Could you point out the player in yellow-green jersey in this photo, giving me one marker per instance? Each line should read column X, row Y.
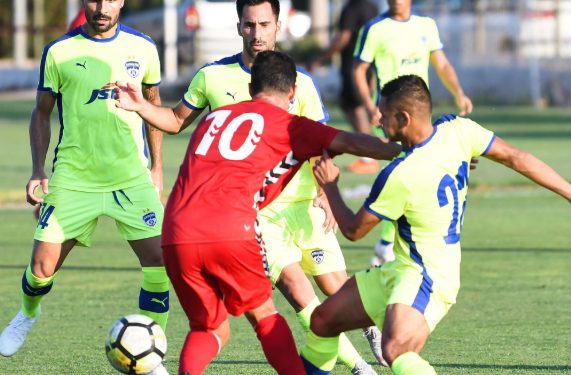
column 424, row 192
column 100, row 163
column 396, row 43
column 292, row 226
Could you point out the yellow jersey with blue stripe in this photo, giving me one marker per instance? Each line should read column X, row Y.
column 424, row 192
column 397, row 48
column 100, row 148
column 226, row 81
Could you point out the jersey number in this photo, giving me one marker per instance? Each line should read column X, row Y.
column 453, row 185
column 45, row 213
column 218, row 119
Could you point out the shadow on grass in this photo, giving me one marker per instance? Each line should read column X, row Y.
column 504, row 367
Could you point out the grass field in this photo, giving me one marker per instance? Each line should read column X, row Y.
column 514, row 309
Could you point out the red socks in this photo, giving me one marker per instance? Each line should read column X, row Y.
column 198, row 351
column 278, row 345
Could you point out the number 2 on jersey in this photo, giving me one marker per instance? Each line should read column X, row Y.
column 218, row 120
column 453, row 185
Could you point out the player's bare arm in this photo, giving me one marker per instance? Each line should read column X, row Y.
column 169, row 120
column 353, row 226
column 365, row 145
column 39, row 142
column 528, row 165
column 362, row 84
column 449, row 79
column 155, row 140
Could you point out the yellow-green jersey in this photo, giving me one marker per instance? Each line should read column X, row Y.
column 424, row 192
column 226, row 81
column 101, row 147
column 397, row 48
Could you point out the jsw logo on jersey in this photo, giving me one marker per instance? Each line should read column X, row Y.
column 103, row 94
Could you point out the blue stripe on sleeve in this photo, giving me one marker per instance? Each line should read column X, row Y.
column 489, row 145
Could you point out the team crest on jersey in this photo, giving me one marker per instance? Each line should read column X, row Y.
column 132, row 68
column 318, row 256
column 150, row 219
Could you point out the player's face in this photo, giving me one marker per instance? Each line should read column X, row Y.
column 389, row 122
column 102, row 15
column 258, row 29
column 399, row 6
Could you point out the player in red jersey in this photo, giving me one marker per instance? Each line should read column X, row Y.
column 238, row 159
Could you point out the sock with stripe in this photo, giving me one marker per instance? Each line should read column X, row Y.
column 154, row 295
column 33, row 290
column 411, row 364
column 319, row 353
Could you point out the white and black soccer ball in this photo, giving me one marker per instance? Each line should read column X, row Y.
column 136, row 344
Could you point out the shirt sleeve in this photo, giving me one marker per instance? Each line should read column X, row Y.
column 478, row 139
column 310, row 102
column 49, row 74
column 195, row 96
column 309, row 138
column 434, row 42
column 365, row 47
column 153, row 74
column 388, row 197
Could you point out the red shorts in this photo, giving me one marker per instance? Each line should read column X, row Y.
column 214, row 279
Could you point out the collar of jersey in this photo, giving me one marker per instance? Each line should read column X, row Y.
column 105, row 40
column 408, row 150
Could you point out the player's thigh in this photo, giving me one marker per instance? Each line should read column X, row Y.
column 68, row 215
column 241, row 272
column 321, row 253
column 341, row 312
column 137, row 210
column 197, row 291
column 278, row 241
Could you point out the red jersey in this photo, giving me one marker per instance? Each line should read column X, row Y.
column 238, row 159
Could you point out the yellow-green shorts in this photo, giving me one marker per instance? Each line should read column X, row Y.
column 293, row 233
column 68, row 214
column 387, row 285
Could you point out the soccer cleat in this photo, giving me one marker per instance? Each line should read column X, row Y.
column 361, row 166
column 373, row 335
column 15, row 333
column 383, row 253
column 160, row 370
column 362, row 368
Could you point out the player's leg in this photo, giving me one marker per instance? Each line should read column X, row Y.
column 341, row 312
column 384, row 247
column 276, row 338
column 405, row 332
column 330, row 283
column 138, row 213
column 201, row 300
column 66, row 218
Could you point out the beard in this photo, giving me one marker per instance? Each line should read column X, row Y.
column 93, row 22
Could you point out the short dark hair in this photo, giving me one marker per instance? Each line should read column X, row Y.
column 406, row 93
column 240, row 4
column 273, row 71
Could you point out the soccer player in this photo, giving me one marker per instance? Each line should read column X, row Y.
column 397, row 43
column 238, row 159
column 100, row 163
column 296, row 241
column 424, row 192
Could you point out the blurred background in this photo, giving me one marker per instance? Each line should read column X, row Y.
column 505, row 51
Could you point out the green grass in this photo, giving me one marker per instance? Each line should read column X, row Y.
column 513, row 313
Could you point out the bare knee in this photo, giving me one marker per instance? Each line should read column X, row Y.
column 320, row 323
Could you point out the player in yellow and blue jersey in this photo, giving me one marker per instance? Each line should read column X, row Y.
column 292, row 226
column 101, row 160
column 424, row 192
column 399, row 42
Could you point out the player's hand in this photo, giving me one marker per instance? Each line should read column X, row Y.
column 127, row 95
column 329, row 224
column 35, row 182
column 464, row 104
column 473, row 163
column 375, row 116
column 325, row 171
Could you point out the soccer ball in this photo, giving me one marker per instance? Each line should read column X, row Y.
column 136, row 344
